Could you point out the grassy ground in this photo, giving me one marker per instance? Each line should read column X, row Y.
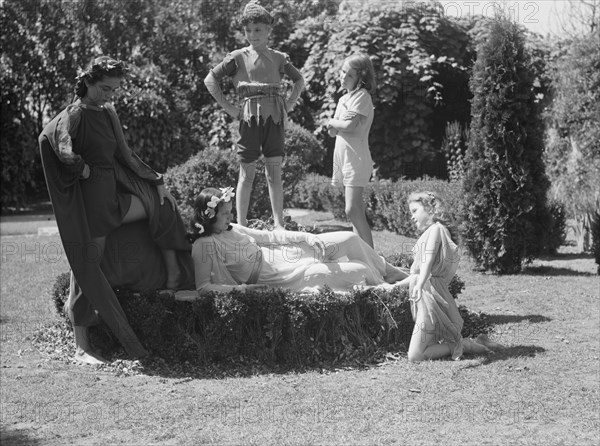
column 543, row 390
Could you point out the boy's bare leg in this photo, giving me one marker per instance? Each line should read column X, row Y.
column 275, row 183
column 244, row 190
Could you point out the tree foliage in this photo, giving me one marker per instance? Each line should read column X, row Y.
column 421, row 63
column 573, row 138
column 44, row 44
column 505, row 185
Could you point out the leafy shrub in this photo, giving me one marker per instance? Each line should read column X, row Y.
column 60, row 292
column 454, row 146
column 387, row 200
column 572, row 154
column 505, row 186
column 209, row 168
column 276, row 326
column 152, row 113
column 310, row 191
column 596, row 238
column 557, row 230
column 21, row 165
column 219, row 168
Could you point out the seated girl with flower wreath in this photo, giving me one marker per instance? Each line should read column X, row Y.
column 229, row 256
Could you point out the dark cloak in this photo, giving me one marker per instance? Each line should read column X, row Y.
column 132, row 257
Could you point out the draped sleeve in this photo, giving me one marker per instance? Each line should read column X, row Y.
column 206, row 258
column 60, row 133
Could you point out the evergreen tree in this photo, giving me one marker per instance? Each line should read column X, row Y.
column 505, row 213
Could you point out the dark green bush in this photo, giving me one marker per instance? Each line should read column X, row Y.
column 505, row 186
column 557, row 231
column 387, row 201
column 153, row 112
column 310, row 191
column 454, row 147
column 209, row 168
column 219, row 168
column 596, row 238
column 275, row 326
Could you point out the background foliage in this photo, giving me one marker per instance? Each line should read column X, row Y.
column 421, row 60
column 572, row 154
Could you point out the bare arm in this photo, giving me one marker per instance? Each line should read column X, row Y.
column 299, row 84
column 214, row 88
column 428, row 256
column 275, row 237
column 347, row 123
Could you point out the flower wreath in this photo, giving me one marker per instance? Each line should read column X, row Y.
column 103, row 65
column 211, row 206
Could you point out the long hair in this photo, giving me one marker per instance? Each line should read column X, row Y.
column 436, row 208
column 100, row 68
column 202, row 224
column 366, row 73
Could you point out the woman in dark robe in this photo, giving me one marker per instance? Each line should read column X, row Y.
column 118, row 223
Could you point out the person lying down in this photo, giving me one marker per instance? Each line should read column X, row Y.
column 228, row 256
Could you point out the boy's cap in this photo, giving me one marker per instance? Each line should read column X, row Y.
column 254, row 12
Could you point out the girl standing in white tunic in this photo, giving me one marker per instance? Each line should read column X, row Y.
column 352, row 163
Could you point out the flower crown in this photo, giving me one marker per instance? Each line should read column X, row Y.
column 211, row 206
column 103, row 65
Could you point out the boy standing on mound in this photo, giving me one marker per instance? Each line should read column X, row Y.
column 257, row 71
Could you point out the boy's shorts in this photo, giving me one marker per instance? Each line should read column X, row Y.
column 253, row 136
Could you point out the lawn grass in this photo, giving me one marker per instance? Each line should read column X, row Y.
column 543, row 390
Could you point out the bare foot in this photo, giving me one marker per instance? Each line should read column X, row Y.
column 89, row 358
column 394, row 274
column 473, row 347
column 484, row 340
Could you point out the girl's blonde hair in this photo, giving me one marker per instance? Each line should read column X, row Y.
column 436, row 208
column 366, row 73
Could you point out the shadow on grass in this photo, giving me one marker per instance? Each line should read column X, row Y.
column 17, row 437
column 568, row 256
column 156, row 366
column 554, row 271
column 498, row 319
column 516, row 351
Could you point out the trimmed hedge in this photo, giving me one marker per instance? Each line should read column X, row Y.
column 387, row 201
column 273, row 327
